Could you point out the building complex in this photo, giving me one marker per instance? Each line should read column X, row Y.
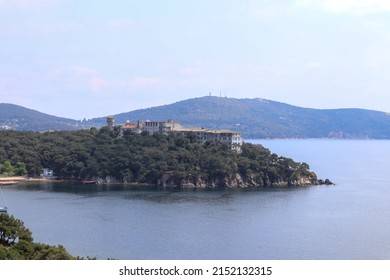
column 231, row 138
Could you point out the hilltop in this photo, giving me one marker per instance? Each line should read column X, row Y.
column 260, row 118
column 254, row 118
column 20, row 118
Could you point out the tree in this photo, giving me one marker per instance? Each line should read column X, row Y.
column 12, row 230
column 7, row 169
column 16, row 243
column 20, row 169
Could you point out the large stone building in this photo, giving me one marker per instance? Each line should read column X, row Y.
column 152, row 127
column 160, row 127
column 231, row 138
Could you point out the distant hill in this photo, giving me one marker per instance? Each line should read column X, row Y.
column 260, row 118
column 254, row 118
column 20, row 118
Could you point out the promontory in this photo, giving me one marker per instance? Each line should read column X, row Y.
column 172, row 160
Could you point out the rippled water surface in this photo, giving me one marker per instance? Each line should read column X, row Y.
column 348, row 221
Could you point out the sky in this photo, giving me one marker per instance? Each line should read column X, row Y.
column 92, row 58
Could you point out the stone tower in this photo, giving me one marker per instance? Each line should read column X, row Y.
column 110, row 122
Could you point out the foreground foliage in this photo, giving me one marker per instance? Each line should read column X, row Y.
column 16, row 243
column 142, row 158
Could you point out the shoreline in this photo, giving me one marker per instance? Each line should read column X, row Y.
column 7, row 181
column 4, row 181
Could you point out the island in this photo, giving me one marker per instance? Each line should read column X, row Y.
column 166, row 160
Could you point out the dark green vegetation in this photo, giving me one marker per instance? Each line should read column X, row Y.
column 150, row 159
column 16, row 243
column 255, row 118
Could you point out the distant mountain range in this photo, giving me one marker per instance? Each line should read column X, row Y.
column 254, row 118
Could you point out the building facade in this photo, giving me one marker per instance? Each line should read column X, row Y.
column 228, row 137
column 231, row 138
column 160, row 127
column 152, row 127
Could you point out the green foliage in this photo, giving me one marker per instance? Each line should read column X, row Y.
column 7, row 169
column 12, row 229
column 140, row 158
column 16, row 243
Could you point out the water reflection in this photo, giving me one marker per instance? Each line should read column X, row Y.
column 166, row 197
column 147, row 193
column 78, row 188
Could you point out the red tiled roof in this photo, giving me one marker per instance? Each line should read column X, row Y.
column 129, row 126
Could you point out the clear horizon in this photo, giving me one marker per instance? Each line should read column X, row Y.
column 98, row 58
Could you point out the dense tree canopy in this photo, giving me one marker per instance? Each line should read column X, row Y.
column 141, row 158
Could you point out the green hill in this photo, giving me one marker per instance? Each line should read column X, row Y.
column 254, row 118
column 259, row 118
column 20, row 118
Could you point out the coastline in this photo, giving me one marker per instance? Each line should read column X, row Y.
column 184, row 184
column 5, row 181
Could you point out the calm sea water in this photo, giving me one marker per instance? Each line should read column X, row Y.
column 348, row 221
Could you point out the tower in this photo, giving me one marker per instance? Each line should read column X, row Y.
column 110, row 122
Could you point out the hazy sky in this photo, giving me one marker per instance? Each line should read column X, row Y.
column 90, row 58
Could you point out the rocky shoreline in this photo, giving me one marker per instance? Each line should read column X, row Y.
column 239, row 181
column 234, row 181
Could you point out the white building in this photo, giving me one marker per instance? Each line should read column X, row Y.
column 231, row 138
column 47, row 173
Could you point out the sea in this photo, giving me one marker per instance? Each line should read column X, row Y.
column 346, row 221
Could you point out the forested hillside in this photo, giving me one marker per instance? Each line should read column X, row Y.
column 260, row 118
column 20, row 118
column 254, row 118
column 149, row 159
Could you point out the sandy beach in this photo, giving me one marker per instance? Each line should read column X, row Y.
column 16, row 179
column 11, row 180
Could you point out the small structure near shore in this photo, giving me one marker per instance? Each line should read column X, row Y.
column 47, row 173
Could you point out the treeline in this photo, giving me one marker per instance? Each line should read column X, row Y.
column 142, row 158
